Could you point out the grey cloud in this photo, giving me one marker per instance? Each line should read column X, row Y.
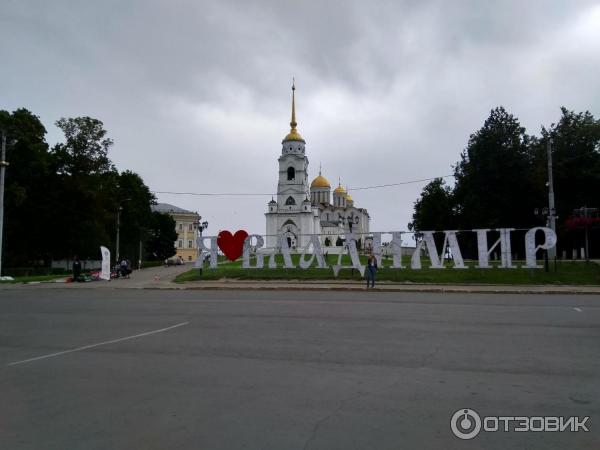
column 196, row 94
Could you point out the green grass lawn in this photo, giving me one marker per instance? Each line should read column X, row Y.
column 568, row 272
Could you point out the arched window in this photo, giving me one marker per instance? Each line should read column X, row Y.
column 291, row 173
column 290, row 200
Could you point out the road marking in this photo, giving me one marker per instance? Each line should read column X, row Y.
column 85, row 347
column 578, row 309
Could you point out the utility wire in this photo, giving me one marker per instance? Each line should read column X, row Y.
column 236, row 194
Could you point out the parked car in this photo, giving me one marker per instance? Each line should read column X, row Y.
column 174, row 261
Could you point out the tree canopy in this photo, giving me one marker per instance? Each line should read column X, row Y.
column 64, row 201
column 501, row 178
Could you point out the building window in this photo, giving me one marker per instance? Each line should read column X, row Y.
column 180, row 227
column 190, row 227
column 190, row 244
column 290, row 201
column 180, row 243
column 291, row 173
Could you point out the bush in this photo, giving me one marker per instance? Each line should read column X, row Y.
column 34, row 271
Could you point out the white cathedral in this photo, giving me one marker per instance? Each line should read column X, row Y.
column 301, row 211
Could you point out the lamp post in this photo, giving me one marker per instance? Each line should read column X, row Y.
column 549, row 214
column 551, row 207
column 586, row 214
column 117, row 246
column 3, row 165
column 118, row 234
column 200, row 226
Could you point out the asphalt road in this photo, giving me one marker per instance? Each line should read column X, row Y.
column 103, row 369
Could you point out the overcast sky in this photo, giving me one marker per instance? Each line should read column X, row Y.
column 196, row 94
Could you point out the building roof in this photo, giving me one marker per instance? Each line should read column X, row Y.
column 339, row 190
column 168, row 208
column 320, row 182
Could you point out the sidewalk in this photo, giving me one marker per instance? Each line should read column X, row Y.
column 346, row 285
column 161, row 278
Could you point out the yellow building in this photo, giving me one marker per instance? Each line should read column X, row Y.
column 186, row 223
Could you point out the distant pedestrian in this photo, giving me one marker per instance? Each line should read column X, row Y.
column 371, row 270
column 124, row 268
column 76, row 268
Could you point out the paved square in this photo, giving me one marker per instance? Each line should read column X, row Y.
column 150, row 369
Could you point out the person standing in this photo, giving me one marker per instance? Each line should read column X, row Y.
column 76, row 268
column 371, row 270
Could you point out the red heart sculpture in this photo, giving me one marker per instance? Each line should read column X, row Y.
column 232, row 245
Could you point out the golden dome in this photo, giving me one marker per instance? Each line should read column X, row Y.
column 340, row 190
column 293, row 135
column 348, row 196
column 320, row 182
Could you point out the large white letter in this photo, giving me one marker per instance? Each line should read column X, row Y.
column 377, row 249
column 437, row 261
column 284, row 248
column 482, row 248
column 451, row 241
column 317, row 252
column 213, row 251
column 505, row 248
column 350, row 244
column 530, row 247
column 259, row 256
column 396, row 245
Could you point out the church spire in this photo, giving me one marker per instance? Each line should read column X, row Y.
column 293, row 135
column 293, row 123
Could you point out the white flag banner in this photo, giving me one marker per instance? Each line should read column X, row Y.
column 105, row 272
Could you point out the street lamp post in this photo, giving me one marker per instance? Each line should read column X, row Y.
column 586, row 213
column 551, row 207
column 3, row 165
column 549, row 215
column 118, row 234
column 118, row 243
column 200, row 226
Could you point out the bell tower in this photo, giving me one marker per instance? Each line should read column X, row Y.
column 292, row 188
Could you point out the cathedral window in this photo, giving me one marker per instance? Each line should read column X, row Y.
column 291, row 172
column 290, row 201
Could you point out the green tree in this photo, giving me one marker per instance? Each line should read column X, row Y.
column 493, row 178
column 576, row 160
column 434, row 210
column 161, row 237
column 85, row 198
column 85, row 150
column 28, row 181
column 135, row 199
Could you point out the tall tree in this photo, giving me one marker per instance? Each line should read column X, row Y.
column 86, row 213
column 576, row 160
column 133, row 198
column 85, row 150
column 435, row 209
column 28, row 181
column 493, row 178
column 162, row 236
